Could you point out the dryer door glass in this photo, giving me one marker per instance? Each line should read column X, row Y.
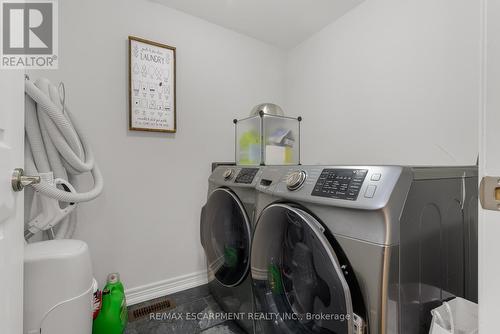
column 225, row 236
column 298, row 281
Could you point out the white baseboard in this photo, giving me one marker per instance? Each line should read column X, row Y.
column 163, row 288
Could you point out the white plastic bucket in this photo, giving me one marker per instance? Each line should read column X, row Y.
column 457, row 316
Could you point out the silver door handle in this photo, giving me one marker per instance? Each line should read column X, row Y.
column 489, row 193
column 19, row 180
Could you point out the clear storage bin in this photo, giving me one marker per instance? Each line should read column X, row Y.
column 267, row 140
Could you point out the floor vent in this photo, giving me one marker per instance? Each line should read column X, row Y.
column 159, row 305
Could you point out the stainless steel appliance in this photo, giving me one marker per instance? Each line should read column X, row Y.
column 226, row 232
column 362, row 249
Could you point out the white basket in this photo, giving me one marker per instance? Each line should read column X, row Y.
column 458, row 316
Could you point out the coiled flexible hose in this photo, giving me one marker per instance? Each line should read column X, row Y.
column 55, row 143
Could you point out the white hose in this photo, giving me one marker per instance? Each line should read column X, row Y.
column 55, row 143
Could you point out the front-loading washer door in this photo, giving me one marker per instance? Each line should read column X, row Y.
column 298, row 282
column 225, row 236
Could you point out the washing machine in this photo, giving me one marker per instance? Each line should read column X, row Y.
column 226, row 229
column 362, row 249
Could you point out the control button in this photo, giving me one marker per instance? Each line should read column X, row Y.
column 370, row 191
column 376, row 177
column 228, row 174
column 296, row 180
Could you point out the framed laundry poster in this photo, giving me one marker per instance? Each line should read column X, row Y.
column 151, row 86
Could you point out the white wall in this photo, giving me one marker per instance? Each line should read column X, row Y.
column 392, row 82
column 146, row 224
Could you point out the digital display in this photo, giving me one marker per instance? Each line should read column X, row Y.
column 340, row 183
column 246, row 175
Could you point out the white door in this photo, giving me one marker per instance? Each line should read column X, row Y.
column 489, row 164
column 11, row 203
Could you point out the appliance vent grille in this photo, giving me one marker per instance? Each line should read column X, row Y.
column 160, row 305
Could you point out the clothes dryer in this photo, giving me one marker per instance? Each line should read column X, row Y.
column 226, row 232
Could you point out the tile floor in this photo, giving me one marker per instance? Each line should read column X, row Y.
column 194, row 300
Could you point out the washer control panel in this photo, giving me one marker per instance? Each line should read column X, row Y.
column 246, row 175
column 340, row 183
column 349, row 186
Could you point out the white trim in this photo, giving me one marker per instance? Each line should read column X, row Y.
column 163, row 288
column 484, row 324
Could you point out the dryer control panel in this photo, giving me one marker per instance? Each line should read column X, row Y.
column 246, row 175
column 340, row 183
column 235, row 176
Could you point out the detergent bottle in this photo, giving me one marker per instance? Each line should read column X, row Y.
column 113, row 316
column 274, row 278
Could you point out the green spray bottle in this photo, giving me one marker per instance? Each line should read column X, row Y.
column 113, row 317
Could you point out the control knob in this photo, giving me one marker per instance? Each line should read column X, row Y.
column 228, row 174
column 295, row 180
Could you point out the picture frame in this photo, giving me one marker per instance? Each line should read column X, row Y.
column 152, row 86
